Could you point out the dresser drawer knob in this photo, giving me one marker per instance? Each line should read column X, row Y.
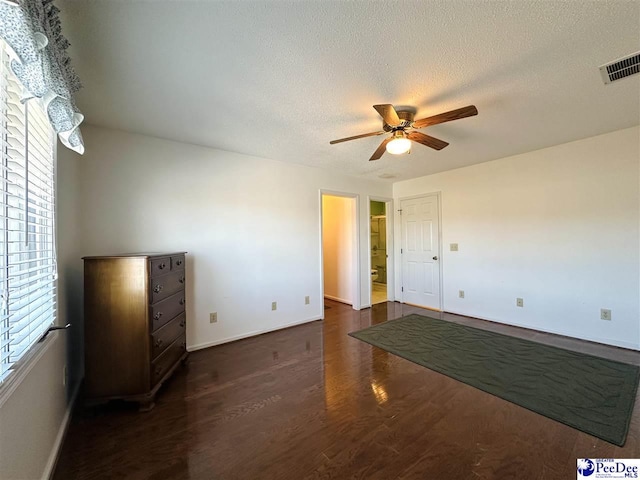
column 157, row 316
column 179, row 262
column 157, row 288
column 181, row 280
column 182, row 301
column 183, row 345
column 162, row 266
column 158, row 370
column 159, row 342
column 183, row 323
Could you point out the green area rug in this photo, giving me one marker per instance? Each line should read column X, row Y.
column 589, row 393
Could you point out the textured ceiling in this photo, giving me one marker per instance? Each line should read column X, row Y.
column 281, row 79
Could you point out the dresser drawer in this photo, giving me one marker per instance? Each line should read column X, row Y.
column 166, row 285
column 161, row 365
column 160, row 266
column 162, row 338
column 177, row 262
column 167, row 310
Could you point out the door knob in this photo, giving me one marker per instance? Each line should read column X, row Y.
column 435, row 258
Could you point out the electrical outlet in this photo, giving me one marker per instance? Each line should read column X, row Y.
column 519, row 302
column 213, row 317
column 453, row 247
column 605, row 314
column 306, row 300
column 460, row 293
column 274, row 305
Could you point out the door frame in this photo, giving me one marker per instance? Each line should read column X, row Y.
column 356, row 246
column 390, row 246
column 438, row 195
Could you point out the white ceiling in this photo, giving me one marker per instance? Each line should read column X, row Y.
column 281, row 79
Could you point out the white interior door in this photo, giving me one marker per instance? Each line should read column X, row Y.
column 421, row 251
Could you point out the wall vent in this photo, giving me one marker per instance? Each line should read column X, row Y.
column 621, row 68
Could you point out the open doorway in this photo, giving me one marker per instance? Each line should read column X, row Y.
column 380, row 249
column 340, row 253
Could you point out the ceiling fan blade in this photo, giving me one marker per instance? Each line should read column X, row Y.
column 372, row 134
column 389, row 114
column 457, row 114
column 427, row 140
column 381, row 149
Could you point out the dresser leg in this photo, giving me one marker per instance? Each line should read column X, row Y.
column 147, row 405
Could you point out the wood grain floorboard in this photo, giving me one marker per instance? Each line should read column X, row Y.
column 310, row 402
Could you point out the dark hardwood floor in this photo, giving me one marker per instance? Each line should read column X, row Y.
column 310, row 402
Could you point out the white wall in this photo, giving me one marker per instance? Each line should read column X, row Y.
column 558, row 227
column 34, row 416
column 251, row 226
column 338, row 218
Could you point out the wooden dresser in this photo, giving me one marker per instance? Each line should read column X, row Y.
column 134, row 328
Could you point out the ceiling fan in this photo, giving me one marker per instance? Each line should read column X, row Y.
column 402, row 126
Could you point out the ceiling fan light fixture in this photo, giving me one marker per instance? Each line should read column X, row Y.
column 397, row 122
column 400, row 143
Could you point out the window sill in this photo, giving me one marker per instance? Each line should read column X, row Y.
column 23, row 368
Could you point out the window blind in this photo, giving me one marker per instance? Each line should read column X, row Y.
column 27, row 234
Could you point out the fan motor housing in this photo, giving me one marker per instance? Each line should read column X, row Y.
column 406, row 116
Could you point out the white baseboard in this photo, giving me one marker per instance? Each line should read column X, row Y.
column 200, row 346
column 338, row 299
column 604, row 341
column 50, row 466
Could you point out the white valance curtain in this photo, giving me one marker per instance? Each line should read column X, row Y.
column 32, row 30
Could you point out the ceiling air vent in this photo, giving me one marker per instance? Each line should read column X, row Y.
column 624, row 67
